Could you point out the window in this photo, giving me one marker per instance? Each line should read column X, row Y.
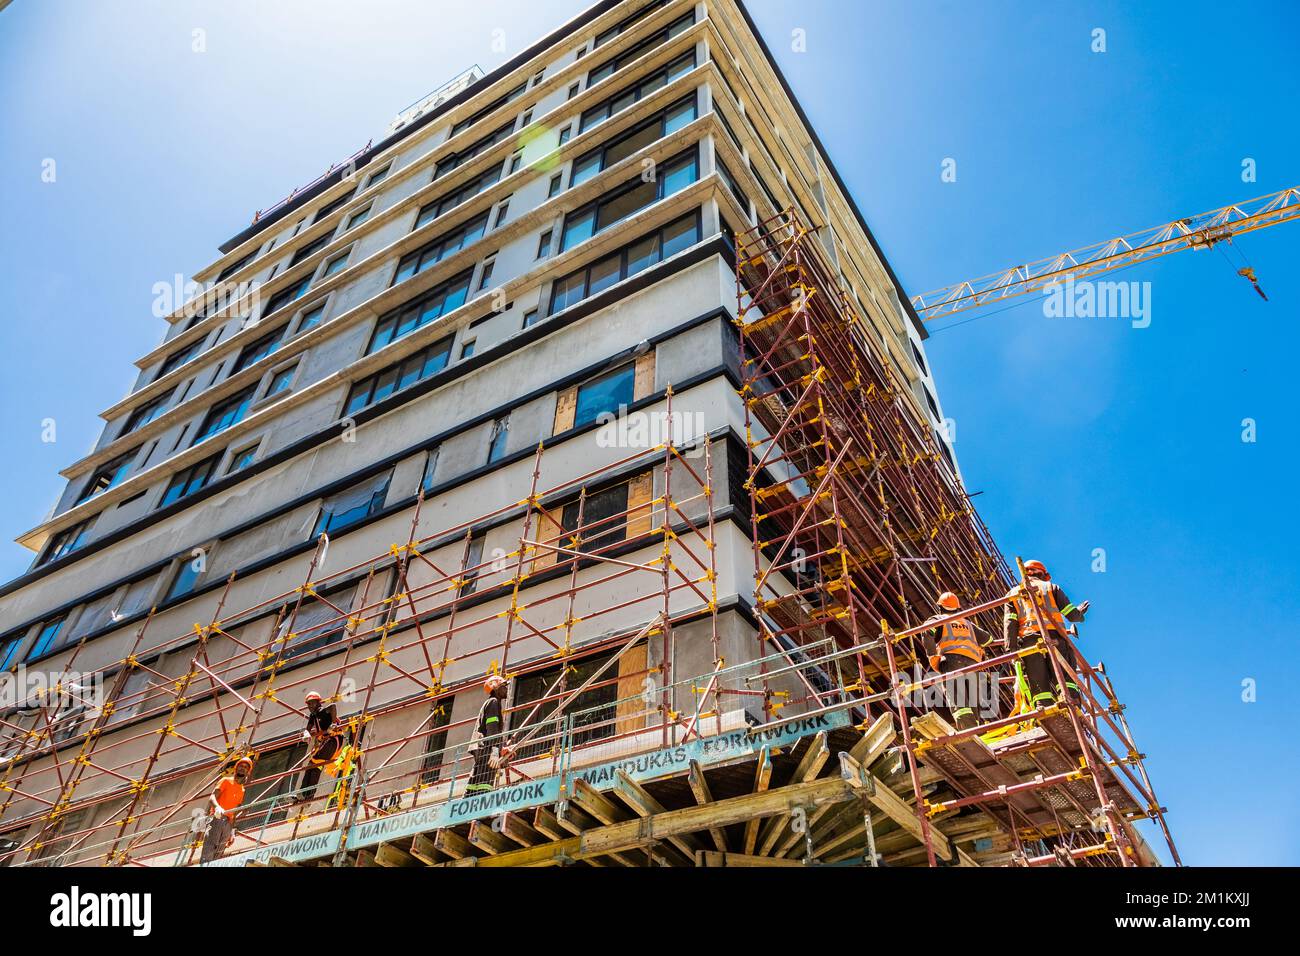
column 605, row 394
column 537, row 77
column 242, row 459
column 331, row 207
column 309, row 250
column 604, row 519
column 287, row 295
column 435, row 744
column 470, row 570
column 934, row 405
column 920, row 361
column 414, row 368
column 437, row 302
column 378, row 176
column 642, row 135
column 430, row 467
column 497, row 440
column 492, row 107
column 270, row 785
column 627, row 23
column 573, row 90
column 516, row 160
column 467, row 349
column 448, row 163
column 145, row 413
column 544, row 245
column 597, row 114
column 725, row 175
column 235, row 266
column 672, row 176
column 46, row 638
column 593, row 708
column 486, row 275
column 438, row 249
column 357, row 503
column 316, row 624
column 645, row 252
column 433, row 210
column 107, row 475
column 358, row 217
column 526, row 118
column 179, row 358
column 67, row 541
column 503, row 211
column 186, row 576
column 229, row 411
column 185, row 483
column 530, row 318
column 281, row 380
column 8, row 651
column 336, row 264
column 311, row 318
column 610, row 67
column 258, row 349
column 557, row 183
column 565, row 134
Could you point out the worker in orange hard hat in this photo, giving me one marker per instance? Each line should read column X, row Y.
column 951, row 645
column 323, row 738
column 486, row 744
column 1039, row 600
column 223, row 804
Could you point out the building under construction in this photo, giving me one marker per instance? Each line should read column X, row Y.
column 589, row 375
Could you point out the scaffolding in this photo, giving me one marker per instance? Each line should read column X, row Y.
column 853, row 499
column 822, row 745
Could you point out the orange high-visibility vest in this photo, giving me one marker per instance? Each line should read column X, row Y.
column 1048, row 611
column 957, row 637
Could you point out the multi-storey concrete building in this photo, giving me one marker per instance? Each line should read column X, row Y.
column 525, row 254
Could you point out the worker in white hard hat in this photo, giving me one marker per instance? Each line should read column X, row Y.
column 323, row 738
column 486, row 742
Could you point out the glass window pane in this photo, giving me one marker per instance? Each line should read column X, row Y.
column 568, row 291
column 678, row 176
column 385, row 385
column 680, row 235
column 578, row 229
column 605, row 273
column 436, row 362
column 584, row 170
column 626, row 204
column 622, row 150
column 643, row 255
column 679, row 117
column 605, row 394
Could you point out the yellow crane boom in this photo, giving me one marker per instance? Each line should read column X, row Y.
column 1196, row 232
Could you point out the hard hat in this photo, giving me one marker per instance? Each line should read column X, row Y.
column 244, row 761
column 311, row 695
column 1033, row 566
column 949, row 600
column 493, row 682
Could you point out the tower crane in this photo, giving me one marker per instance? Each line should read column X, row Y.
column 1202, row 231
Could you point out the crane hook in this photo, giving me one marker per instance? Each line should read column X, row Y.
column 1249, row 274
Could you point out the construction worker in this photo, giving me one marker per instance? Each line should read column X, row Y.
column 323, row 742
column 222, row 807
column 951, row 646
column 1020, row 627
column 486, row 741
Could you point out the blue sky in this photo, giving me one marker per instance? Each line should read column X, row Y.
column 1078, row 433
